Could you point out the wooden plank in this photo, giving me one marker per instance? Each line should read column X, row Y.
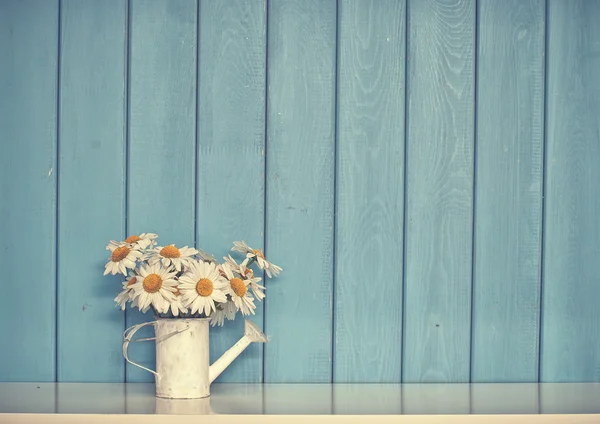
column 571, row 311
column 439, row 191
column 300, row 175
column 231, row 139
column 162, row 126
column 508, row 205
column 92, row 188
column 28, row 173
column 370, row 191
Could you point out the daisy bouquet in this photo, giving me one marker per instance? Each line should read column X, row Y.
column 185, row 282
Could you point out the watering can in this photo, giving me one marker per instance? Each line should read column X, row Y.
column 182, row 355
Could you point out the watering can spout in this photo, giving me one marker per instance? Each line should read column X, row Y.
column 251, row 334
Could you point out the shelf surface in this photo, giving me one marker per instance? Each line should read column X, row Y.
column 516, row 399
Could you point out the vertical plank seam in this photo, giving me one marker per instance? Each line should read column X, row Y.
column 265, row 172
column 474, row 206
column 127, row 147
column 57, row 192
column 544, row 185
column 405, row 185
column 335, row 186
column 197, row 126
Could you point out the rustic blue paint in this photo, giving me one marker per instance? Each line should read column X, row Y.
column 231, row 139
column 162, row 125
column 208, row 121
column 370, row 175
column 28, row 174
column 92, row 196
column 508, row 206
column 300, row 187
column 439, row 191
column 570, row 348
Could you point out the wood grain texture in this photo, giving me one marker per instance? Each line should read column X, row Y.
column 439, row 191
column 162, row 126
column 370, row 191
column 300, row 188
column 231, row 139
column 28, row 173
column 508, row 205
column 571, row 312
column 92, row 189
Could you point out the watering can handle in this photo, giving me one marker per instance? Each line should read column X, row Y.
column 127, row 335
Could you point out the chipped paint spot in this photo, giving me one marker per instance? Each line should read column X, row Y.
column 50, row 171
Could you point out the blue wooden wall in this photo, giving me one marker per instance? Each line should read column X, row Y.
column 425, row 171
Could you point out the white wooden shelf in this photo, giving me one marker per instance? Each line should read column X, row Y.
column 269, row 403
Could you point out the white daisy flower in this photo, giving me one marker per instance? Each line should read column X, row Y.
column 135, row 304
column 246, row 274
column 155, row 286
column 257, row 289
column 238, row 290
column 122, row 256
column 177, row 305
column 229, row 260
column 126, row 294
column 207, row 257
column 142, row 241
column 201, row 286
column 123, row 297
column 257, row 255
column 172, row 256
column 223, row 310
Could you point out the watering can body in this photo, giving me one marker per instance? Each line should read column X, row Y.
column 183, row 369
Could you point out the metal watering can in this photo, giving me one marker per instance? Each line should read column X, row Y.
column 182, row 355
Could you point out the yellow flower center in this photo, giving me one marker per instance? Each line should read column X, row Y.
column 132, row 239
column 152, row 283
column 204, row 287
column 132, row 282
column 238, row 286
column 120, row 253
column 259, row 253
column 170, row 252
